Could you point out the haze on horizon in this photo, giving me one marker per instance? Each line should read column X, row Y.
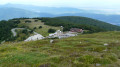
column 107, row 6
column 93, row 4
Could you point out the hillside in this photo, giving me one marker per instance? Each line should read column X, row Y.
column 42, row 25
column 36, row 23
column 80, row 22
column 5, row 27
column 89, row 21
column 89, row 50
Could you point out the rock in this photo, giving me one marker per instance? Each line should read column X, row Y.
column 80, row 42
column 51, row 41
column 35, row 37
column 105, row 50
column 106, row 44
column 98, row 65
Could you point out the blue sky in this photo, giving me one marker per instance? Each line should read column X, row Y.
column 68, row 3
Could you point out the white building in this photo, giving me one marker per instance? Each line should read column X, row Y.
column 56, row 34
column 60, row 34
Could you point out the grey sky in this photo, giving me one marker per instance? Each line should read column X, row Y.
column 68, row 3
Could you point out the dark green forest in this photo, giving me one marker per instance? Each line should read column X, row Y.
column 80, row 22
column 68, row 25
column 5, row 29
column 89, row 21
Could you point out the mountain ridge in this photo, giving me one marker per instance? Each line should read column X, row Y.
column 37, row 11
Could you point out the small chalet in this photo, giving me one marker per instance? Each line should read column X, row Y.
column 76, row 30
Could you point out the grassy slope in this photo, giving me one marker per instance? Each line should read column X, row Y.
column 67, row 52
column 43, row 31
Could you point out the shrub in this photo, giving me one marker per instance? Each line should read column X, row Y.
column 36, row 20
column 27, row 21
column 31, row 31
column 51, row 30
column 34, row 28
column 25, row 31
column 88, row 59
column 40, row 27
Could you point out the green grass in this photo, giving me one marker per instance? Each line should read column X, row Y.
column 43, row 30
column 68, row 52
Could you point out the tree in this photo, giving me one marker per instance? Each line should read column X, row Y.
column 28, row 21
column 31, row 31
column 34, row 28
column 25, row 31
column 51, row 30
column 36, row 20
column 40, row 27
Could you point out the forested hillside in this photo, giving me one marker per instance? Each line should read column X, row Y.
column 80, row 22
column 68, row 25
column 89, row 21
column 5, row 29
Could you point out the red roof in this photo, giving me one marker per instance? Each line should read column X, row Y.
column 76, row 30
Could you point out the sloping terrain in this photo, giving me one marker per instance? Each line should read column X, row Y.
column 42, row 25
column 34, row 25
column 89, row 21
column 87, row 50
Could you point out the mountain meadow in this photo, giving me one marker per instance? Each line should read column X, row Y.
column 97, row 46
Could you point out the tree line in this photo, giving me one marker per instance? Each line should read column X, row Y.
column 5, row 29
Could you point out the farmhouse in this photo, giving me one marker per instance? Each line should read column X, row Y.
column 76, row 30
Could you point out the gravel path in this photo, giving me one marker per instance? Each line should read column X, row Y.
column 37, row 36
column 13, row 31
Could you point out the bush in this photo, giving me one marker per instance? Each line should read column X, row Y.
column 27, row 21
column 25, row 31
column 36, row 20
column 88, row 59
column 31, row 31
column 40, row 27
column 34, row 28
column 51, row 31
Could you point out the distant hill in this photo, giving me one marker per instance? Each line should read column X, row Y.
column 51, row 10
column 113, row 19
column 89, row 21
column 10, row 13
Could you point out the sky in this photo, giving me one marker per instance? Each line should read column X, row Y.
column 97, row 4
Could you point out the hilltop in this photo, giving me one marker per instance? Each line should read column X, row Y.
column 86, row 50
